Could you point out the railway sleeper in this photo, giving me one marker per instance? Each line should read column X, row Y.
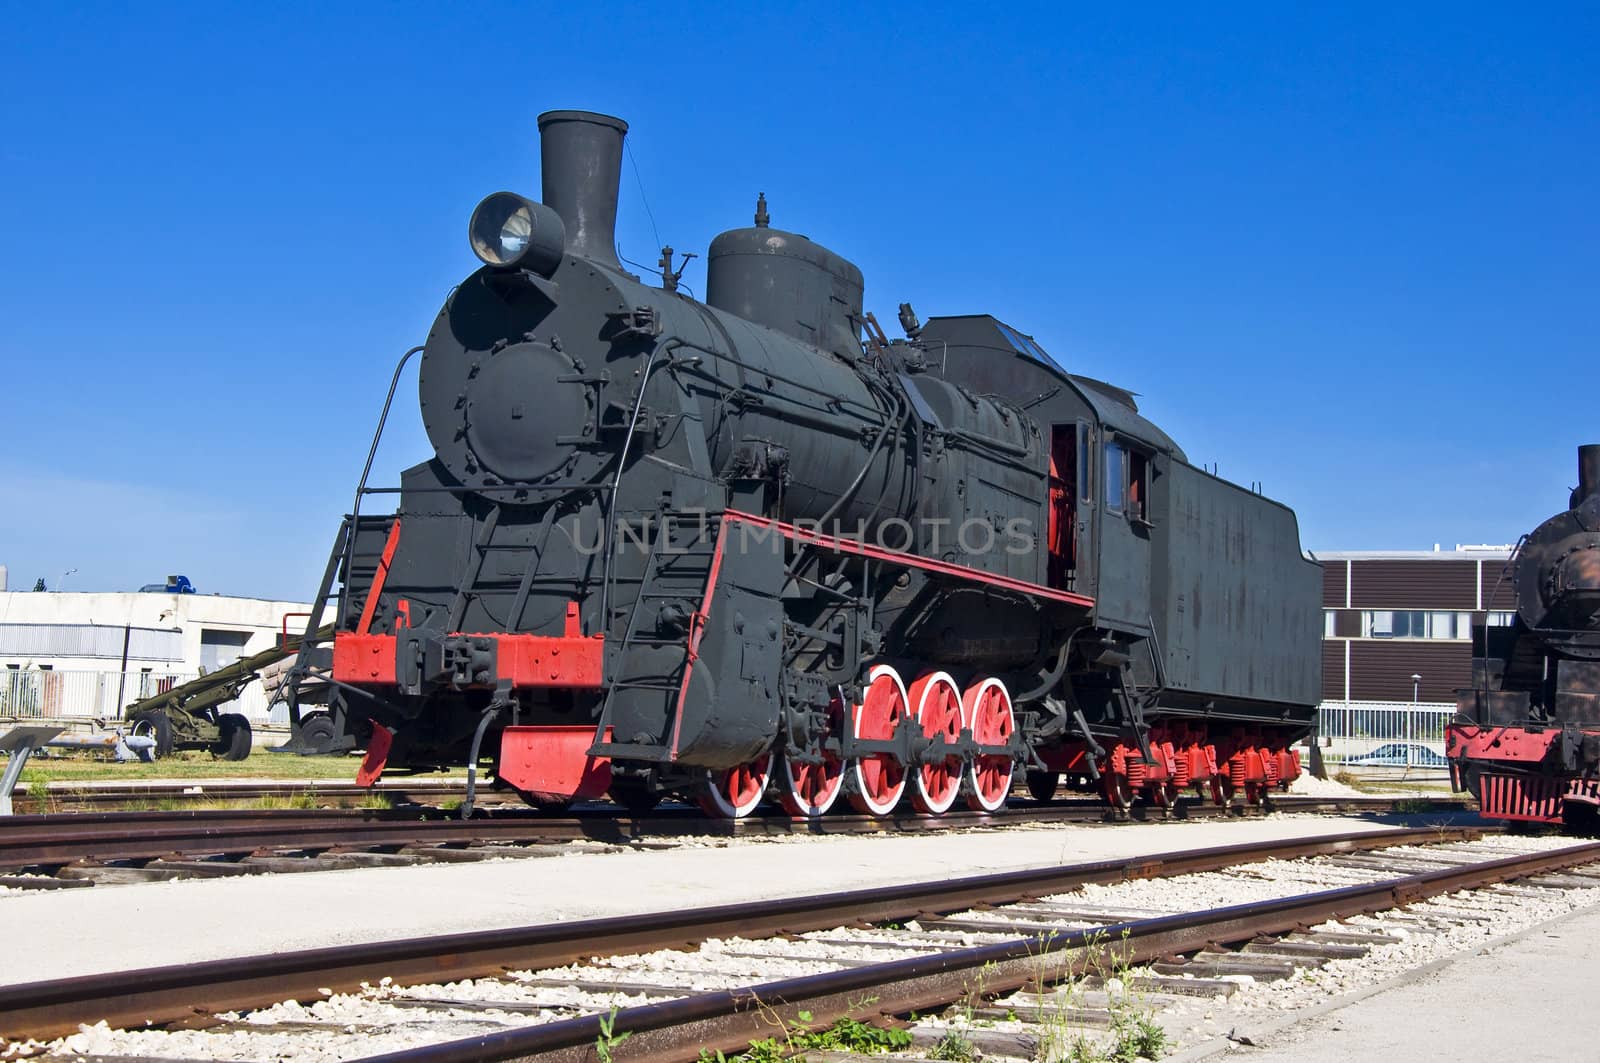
column 118, row 875
column 41, row 882
column 1168, row 986
column 1345, row 935
column 509, row 1007
column 203, row 868
column 1213, row 965
column 605, row 988
column 1021, row 1045
column 1040, row 1013
column 1326, row 950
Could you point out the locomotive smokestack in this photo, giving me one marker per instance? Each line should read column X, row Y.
column 1588, row 474
column 580, row 168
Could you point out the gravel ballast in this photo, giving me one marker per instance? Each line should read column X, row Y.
column 388, row 1017
column 84, row 931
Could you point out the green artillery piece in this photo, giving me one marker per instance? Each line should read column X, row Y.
column 189, row 716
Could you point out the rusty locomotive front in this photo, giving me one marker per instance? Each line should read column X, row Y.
column 1525, row 739
column 752, row 548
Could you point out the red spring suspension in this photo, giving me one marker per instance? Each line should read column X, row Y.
column 1289, row 765
column 1269, row 766
column 1238, row 769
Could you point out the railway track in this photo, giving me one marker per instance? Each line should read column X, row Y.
column 431, row 791
column 63, row 850
column 779, row 968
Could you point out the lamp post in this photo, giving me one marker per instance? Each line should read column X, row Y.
column 64, row 576
column 1416, row 688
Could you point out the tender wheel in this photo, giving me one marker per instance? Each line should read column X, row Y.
column 233, row 741
column 1115, row 787
column 155, row 725
column 1042, row 785
column 735, row 793
column 988, row 709
column 809, row 790
column 1163, row 794
column 936, row 705
column 1222, row 790
column 880, row 778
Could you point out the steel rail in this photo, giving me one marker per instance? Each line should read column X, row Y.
column 729, row 1020
column 59, row 839
column 173, row 994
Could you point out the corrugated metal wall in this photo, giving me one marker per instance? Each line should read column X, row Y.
column 1333, row 651
column 1499, row 592
column 90, row 640
column 1381, row 669
column 1334, row 574
column 1405, row 584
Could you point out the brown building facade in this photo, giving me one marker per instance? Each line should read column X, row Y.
column 1391, row 615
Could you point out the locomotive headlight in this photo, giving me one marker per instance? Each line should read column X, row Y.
column 508, row 231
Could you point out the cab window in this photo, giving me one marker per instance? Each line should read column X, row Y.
column 1115, row 473
column 1085, row 483
column 1138, row 485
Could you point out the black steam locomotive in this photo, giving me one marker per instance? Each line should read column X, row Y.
column 1525, row 740
column 751, row 547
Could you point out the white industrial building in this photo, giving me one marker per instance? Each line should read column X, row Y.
column 85, row 654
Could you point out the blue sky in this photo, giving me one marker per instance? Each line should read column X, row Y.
column 1348, row 253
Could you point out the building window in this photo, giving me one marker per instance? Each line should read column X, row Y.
column 220, row 648
column 1330, row 623
column 1499, row 619
column 1416, row 624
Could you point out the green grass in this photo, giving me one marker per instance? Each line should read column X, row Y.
column 196, row 764
column 188, row 764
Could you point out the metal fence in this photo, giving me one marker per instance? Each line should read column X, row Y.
column 31, row 693
column 1383, row 734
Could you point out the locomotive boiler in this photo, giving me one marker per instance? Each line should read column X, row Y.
column 1525, row 739
column 750, row 548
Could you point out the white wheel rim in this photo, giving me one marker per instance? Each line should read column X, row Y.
column 885, row 806
column 716, row 799
column 924, row 800
column 969, row 705
column 796, row 806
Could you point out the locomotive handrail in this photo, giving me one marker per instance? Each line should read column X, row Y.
column 344, row 543
column 1511, row 560
column 377, row 437
column 616, row 481
column 349, row 544
column 460, row 489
